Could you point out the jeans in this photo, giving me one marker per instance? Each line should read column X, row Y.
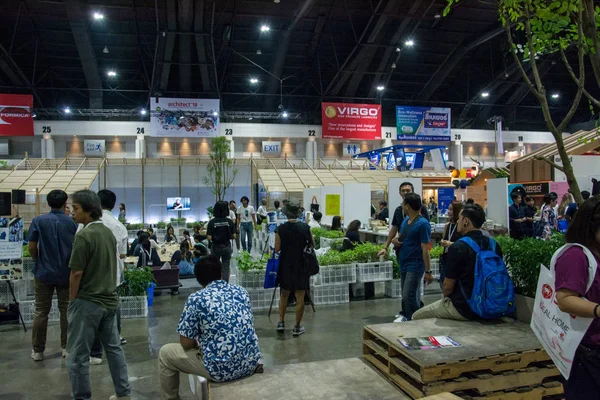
column 86, row 321
column 246, row 231
column 173, row 359
column 584, row 380
column 96, row 350
column 43, row 304
column 224, row 253
column 411, row 296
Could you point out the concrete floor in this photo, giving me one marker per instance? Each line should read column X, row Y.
column 333, row 333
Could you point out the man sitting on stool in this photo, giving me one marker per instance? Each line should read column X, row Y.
column 460, row 270
column 217, row 339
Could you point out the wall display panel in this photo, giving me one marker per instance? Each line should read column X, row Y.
column 16, row 115
column 423, row 123
column 351, row 121
column 360, row 206
column 497, row 201
column 171, row 117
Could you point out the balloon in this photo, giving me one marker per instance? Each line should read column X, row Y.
column 455, row 173
column 469, row 173
column 463, row 173
column 463, row 184
column 456, row 183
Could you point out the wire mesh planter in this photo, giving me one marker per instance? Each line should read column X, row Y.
column 21, row 289
column 393, row 289
column 260, row 299
column 28, row 265
column 252, row 279
column 435, row 268
column 374, row 272
column 330, row 294
column 134, row 306
column 335, row 274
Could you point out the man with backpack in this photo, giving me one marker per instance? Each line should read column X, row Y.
column 477, row 284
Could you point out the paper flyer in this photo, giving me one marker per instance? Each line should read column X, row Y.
column 428, row 343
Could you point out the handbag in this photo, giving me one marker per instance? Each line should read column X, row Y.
column 558, row 332
column 271, row 271
column 311, row 264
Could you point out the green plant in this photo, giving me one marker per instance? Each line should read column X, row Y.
column 436, row 252
column 26, row 251
column 161, row 225
column 135, row 227
column 335, row 257
column 317, row 233
column 221, row 173
column 332, row 234
column 136, row 282
column 210, row 211
column 367, row 252
column 123, row 221
column 396, row 267
column 247, row 262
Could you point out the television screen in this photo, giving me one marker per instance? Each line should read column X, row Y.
column 178, row 203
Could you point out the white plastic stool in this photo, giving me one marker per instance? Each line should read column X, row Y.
column 199, row 387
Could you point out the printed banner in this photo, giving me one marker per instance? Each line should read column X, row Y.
column 429, row 124
column 16, row 115
column 332, row 205
column 184, row 117
column 445, row 198
column 351, row 121
column 11, row 248
column 536, row 189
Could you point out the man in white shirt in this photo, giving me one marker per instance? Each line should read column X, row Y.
column 315, row 221
column 108, row 200
column 246, row 223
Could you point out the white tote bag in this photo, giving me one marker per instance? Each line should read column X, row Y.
column 560, row 333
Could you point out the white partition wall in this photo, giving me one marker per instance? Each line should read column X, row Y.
column 394, row 198
column 331, row 190
column 308, row 195
column 497, row 204
column 358, row 202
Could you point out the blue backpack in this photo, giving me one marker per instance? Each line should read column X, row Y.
column 493, row 290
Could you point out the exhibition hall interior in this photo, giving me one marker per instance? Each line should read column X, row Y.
column 305, row 199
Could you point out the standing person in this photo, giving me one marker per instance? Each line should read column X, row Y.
column 108, row 200
column 235, row 218
column 315, row 221
column 415, row 235
column 572, row 209
column 450, row 236
column 529, row 212
column 94, row 300
column 549, row 221
column 565, row 202
column 384, row 212
column 460, row 269
column 516, row 217
column 246, row 223
column 122, row 212
column 261, row 213
column 50, row 242
column 290, row 239
column 572, row 296
column 432, row 207
column 170, row 236
column 221, row 231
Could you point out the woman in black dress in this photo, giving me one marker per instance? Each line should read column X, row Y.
column 290, row 240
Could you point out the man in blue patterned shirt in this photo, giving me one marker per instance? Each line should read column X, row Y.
column 216, row 334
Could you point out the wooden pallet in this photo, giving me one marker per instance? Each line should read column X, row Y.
column 528, row 367
column 541, row 392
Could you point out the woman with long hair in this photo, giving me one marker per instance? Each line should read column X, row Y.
column 220, row 231
column 336, row 223
column 565, row 202
column 352, row 237
column 183, row 259
column 290, row 240
column 572, row 275
column 450, row 234
column 170, row 236
column 549, row 220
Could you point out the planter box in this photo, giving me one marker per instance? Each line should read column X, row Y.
column 28, row 265
column 435, row 268
column 253, row 279
column 335, row 274
column 331, row 294
column 374, row 272
column 21, row 288
column 260, row 299
column 326, row 242
column 524, row 306
column 393, row 289
column 134, row 307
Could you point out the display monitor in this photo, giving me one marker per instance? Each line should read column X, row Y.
column 18, row 197
column 178, row 203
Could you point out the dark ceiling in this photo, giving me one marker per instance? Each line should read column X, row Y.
column 316, row 50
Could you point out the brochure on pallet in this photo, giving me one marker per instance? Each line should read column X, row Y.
column 428, row 343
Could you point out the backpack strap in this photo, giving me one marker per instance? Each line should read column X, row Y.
column 592, row 263
column 471, row 243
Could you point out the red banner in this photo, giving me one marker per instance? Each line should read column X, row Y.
column 16, row 115
column 351, row 121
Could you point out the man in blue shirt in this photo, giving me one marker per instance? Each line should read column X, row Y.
column 216, row 334
column 415, row 235
column 50, row 244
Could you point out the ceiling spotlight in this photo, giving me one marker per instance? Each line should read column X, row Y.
column 111, row 73
column 380, row 88
column 250, row 118
column 393, row 65
column 284, row 115
column 143, row 111
column 398, row 49
column 485, row 95
column 105, row 50
column 437, row 16
column 258, row 52
column 265, row 28
column 98, row 16
column 276, row 1
column 253, row 80
column 215, row 114
column 409, row 43
column 555, row 95
column 67, row 110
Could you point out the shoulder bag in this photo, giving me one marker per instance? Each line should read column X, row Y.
column 311, row 264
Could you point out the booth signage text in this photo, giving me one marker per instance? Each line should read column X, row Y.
column 423, row 123
column 351, row 121
column 16, row 115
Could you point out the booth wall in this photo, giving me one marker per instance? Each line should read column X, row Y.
column 585, row 167
column 497, row 201
column 325, row 190
column 358, row 202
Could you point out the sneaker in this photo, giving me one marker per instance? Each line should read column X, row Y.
column 123, row 341
column 37, row 356
column 298, row 330
column 292, row 303
column 95, row 361
column 281, row 327
column 115, row 397
column 400, row 318
column 64, row 353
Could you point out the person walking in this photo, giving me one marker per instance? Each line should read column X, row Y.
column 290, row 240
column 221, row 231
column 246, row 223
column 108, row 200
column 573, row 297
column 548, row 216
column 122, row 212
column 94, row 300
column 50, row 243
